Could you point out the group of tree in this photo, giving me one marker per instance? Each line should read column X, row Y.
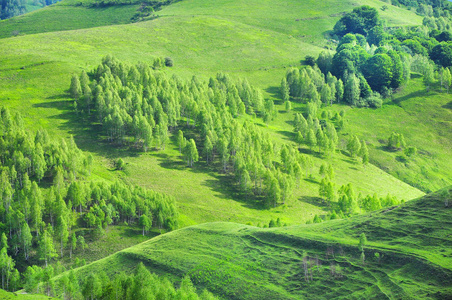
column 357, row 148
column 424, row 7
column 40, row 221
column 371, row 61
column 318, row 133
column 139, row 285
column 11, row 8
column 138, row 105
column 344, row 201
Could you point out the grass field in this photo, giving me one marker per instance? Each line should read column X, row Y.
column 258, row 40
column 59, row 17
column 243, row 262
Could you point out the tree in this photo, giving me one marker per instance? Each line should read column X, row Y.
column 360, row 20
column 62, row 233
column 351, row 90
column 429, row 77
column 325, row 61
column 46, row 248
column 81, row 242
column 145, row 222
column 284, row 90
column 26, row 239
column 36, row 204
column 73, row 244
column 180, row 140
column 362, row 242
column 288, row 106
column 325, row 94
column 311, row 139
column 442, row 54
column 92, row 288
column 76, row 88
column 354, row 146
column 191, row 153
column 396, row 141
column 364, row 153
column 208, row 149
column 6, row 264
column 120, row 164
column 447, row 79
column 378, row 71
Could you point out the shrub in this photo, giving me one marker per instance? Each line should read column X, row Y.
column 168, row 61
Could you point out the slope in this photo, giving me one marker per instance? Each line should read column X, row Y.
column 66, row 16
column 36, row 72
column 243, row 262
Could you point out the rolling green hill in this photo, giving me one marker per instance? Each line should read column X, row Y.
column 257, row 40
column 244, row 262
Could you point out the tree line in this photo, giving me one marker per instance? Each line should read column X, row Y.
column 136, row 285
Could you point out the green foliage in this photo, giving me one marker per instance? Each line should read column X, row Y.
column 120, row 164
column 11, row 8
column 396, row 141
column 360, row 20
column 442, row 54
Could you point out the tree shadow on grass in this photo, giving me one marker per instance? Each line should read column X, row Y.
column 166, row 161
column 274, row 92
column 419, row 93
column 87, row 133
column 448, row 105
column 289, row 136
column 134, row 231
column 226, row 189
column 316, row 201
column 311, row 180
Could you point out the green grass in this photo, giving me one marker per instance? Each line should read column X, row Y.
column 258, row 40
column 59, row 17
column 425, row 121
column 243, row 262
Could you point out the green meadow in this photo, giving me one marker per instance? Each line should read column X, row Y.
column 260, row 41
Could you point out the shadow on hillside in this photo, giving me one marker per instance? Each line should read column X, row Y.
column 86, row 131
column 274, row 92
column 226, row 188
column 421, row 93
column 131, row 232
column 316, row 201
column 290, row 136
column 448, row 105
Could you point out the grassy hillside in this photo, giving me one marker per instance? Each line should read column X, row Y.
column 244, row 262
column 424, row 118
column 60, row 17
column 35, row 76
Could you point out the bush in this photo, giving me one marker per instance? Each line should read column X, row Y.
column 310, row 60
column 120, row 164
column 374, row 100
column 410, row 151
column 168, row 61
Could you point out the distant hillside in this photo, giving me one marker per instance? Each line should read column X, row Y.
column 243, row 262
